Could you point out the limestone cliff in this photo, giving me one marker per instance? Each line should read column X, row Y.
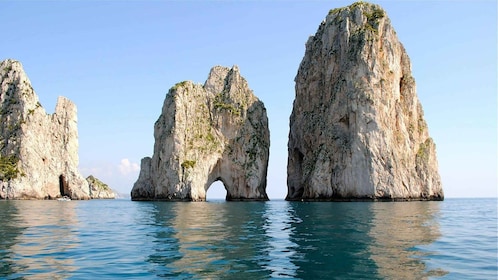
column 357, row 129
column 99, row 190
column 38, row 151
column 216, row 131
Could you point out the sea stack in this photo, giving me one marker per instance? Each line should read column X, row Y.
column 206, row 133
column 357, row 129
column 38, row 151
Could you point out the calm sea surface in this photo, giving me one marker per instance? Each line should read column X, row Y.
column 106, row 239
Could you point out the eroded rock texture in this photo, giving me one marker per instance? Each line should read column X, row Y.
column 357, row 129
column 38, row 151
column 216, row 131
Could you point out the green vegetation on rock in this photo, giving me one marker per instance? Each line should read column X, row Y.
column 188, row 164
column 97, row 183
column 372, row 17
column 180, row 84
column 221, row 104
column 424, row 150
column 375, row 15
column 8, row 168
column 7, row 68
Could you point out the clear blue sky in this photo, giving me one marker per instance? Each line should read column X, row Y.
column 117, row 60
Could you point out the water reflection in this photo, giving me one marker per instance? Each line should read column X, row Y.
column 280, row 250
column 116, row 239
column 39, row 234
column 228, row 240
column 333, row 241
column 399, row 230
column 293, row 240
column 253, row 240
column 210, row 240
column 201, row 229
column 9, row 231
column 358, row 240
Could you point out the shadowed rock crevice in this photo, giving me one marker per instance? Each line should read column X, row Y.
column 63, row 186
column 210, row 132
column 357, row 130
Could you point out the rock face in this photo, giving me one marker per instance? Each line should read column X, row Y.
column 99, row 190
column 357, row 129
column 38, row 151
column 216, row 131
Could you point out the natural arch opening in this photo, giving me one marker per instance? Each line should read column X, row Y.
column 216, row 191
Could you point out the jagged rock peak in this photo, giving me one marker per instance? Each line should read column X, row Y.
column 206, row 133
column 38, row 151
column 357, row 129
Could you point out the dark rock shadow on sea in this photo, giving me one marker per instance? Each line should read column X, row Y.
column 332, row 240
column 9, row 231
column 230, row 240
column 280, row 239
column 362, row 239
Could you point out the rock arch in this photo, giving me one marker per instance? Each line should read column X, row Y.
column 215, row 131
column 216, row 189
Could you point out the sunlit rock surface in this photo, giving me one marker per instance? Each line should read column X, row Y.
column 216, row 131
column 357, row 129
column 38, row 151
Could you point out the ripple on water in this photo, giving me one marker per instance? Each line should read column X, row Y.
column 146, row 240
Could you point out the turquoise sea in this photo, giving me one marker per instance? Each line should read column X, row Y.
column 116, row 239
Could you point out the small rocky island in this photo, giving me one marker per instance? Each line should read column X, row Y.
column 99, row 189
column 357, row 129
column 38, row 151
column 206, row 133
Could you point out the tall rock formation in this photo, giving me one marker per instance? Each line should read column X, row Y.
column 38, row 151
column 357, row 129
column 216, row 131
